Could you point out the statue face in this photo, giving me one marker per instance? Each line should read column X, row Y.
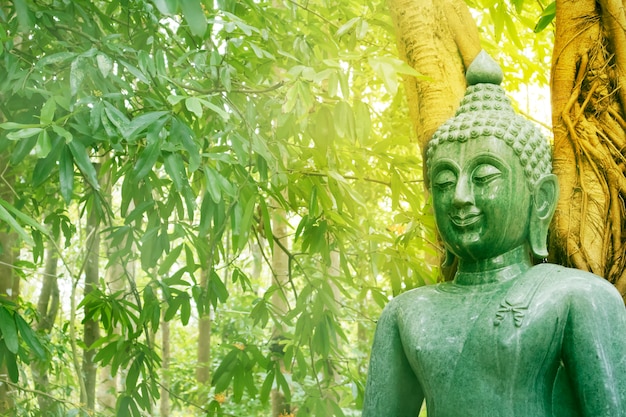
column 480, row 197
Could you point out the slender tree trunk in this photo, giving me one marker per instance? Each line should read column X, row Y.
column 91, row 328
column 164, row 405
column 588, row 116
column 280, row 269
column 47, row 310
column 116, row 277
column 107, row 383
column 203, row 366
column 9, row 280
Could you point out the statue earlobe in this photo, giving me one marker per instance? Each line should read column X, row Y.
column 545, row 196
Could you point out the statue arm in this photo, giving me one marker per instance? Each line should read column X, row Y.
column 392, row 388
column 594, row 348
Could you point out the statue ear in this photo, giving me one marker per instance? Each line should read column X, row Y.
column 544, row 199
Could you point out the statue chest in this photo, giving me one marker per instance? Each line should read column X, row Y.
column 503, row 343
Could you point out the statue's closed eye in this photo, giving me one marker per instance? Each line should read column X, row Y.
column 485, row 173
column 444, row 179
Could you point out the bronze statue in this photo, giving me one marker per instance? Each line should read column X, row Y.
column 504, row 338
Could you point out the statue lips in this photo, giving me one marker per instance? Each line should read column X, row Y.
column 465, row 219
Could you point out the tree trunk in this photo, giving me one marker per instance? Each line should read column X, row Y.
column 91, row 328
column 115, row 275
column 47, row 310
column 203, row 366
column 438, row 38
column 164, row 405
column 9, row 280
column 280, row 278
column 588, row 75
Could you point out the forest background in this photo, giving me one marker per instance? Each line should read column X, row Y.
column 205, row 205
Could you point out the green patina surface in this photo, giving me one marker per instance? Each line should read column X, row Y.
column 504, row 338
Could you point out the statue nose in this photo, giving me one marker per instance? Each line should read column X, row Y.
column 463, row 194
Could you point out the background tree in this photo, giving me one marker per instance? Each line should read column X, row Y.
column 207, row 119
column 588, row 114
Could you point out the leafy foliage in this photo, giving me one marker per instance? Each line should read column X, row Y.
column 188, row 127
column 185, row 127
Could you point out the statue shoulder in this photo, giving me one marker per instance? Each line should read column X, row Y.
column 576, row 283
column 412, row 297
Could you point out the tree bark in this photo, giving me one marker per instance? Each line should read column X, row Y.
column 438, row 38
column 115, row 275
column 203, row 367
column 9, row 280
column 280, row 278
column 47, row 310
column 164, row 405
column 588, row 75
column 90, row 327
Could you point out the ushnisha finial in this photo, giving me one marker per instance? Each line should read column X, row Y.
column 483, row 69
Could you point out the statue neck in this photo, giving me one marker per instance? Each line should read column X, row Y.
column 501, row 268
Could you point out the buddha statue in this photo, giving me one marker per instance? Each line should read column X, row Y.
column 505, row 337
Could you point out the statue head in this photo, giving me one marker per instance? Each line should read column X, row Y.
column 490, row 173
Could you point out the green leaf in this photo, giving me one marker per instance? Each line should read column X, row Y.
column 344, row 121
column 186, row 136
column 23, row 217
column 66, row 174
column 388, row 69
column 124, row 406
column 13, row 125
column 138, row 124
column 167, row 7
column 53, row 59
column 135, row 71
column 149, row 156
column 176, row 170
column 47, row 111
column 363, row 122
column 213, row 181
column 24, row 16
column 346, row 26
column 185, row 311
column 23, row 148
column 217, row 288
column 29, row 336
column 225, row 116
column 105, row 64
column 166, row 265
column 77, row 75
column 11, row 362
column 133, row 373
column 194, row 16
column 7, row 218
column 267, row 223
column 206, row 214
column 24, row 133
column 115, row 116
column 193, row 105
column 548, row 15
column 82, row 160
column 63, row 133
column 266, row 388
column 9, row 330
